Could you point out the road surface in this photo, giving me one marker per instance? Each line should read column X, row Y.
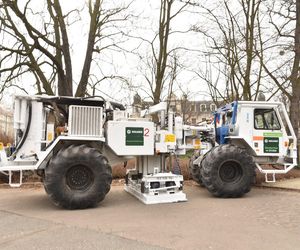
column 263, row 219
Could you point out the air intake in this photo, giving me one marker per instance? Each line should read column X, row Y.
column 85, row 121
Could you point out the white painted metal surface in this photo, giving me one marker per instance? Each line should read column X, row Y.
column 23, row 165
column 85, row 121
column 166, row 142
column 131, row 137
column 32, row 143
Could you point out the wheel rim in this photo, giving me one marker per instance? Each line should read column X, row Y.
column 79, row 177
column 230, row 171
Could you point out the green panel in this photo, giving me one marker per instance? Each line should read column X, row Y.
column 271, row 134
column 271, row 145
column 134, row 136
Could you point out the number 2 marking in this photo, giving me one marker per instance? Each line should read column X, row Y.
column 146, row 132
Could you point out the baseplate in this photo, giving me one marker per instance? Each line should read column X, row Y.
column 167, row 196
column 155, row 199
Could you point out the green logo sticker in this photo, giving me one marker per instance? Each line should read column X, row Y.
column 271, row 145
column 272, row 134
column 134, row 136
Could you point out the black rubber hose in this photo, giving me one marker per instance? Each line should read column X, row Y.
column 176, row 167
column 20, row 144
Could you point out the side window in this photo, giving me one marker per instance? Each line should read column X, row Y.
column 266, row 119
column 192, row 108
column 202, row 107
column 212, row 107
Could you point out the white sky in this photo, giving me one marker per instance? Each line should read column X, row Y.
column 125, row 65
column 128, row 65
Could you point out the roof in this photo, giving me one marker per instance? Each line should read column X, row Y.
column 70, row 100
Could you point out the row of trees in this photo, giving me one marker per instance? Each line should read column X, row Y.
column 255, row 49
column 5, row 138
column 245, row 47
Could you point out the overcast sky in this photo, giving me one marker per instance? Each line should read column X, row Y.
column 126, row 64
column 129, row 65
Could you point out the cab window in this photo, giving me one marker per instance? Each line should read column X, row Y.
column 266, row 119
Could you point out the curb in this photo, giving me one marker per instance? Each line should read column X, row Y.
column 278, row 188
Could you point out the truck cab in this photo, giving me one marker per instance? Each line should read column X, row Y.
column 263, row 129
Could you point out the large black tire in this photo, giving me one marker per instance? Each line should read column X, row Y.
column 194, row 170
column 228, row 171
column 78, row 177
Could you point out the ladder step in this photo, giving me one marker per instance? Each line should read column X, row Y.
column 15, row 184
column 273, row 177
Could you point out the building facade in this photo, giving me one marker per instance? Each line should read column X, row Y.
column 193, row 112
column 6, row 126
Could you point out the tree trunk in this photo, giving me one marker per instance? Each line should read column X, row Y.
column 294, row 113
column 65, row 82
column 81, row 89
column 161, row 63
column 295, row 79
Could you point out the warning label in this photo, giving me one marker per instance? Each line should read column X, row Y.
column 170, row 138
column 134, row 136
column 271, row 145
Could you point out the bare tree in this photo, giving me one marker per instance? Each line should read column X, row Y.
column 41, row 48
column 285, row 18
column 233, row 36
column 248, row 58
column 295, row 76
column 161, row 64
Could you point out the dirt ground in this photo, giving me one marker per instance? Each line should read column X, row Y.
column 294, row 173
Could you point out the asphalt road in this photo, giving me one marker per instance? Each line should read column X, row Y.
column 264, row 219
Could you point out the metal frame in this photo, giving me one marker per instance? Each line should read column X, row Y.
column 19, row 166
column 165, row 194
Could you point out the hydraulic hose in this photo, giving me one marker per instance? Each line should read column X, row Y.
column 176, row 167
column 24, row 136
